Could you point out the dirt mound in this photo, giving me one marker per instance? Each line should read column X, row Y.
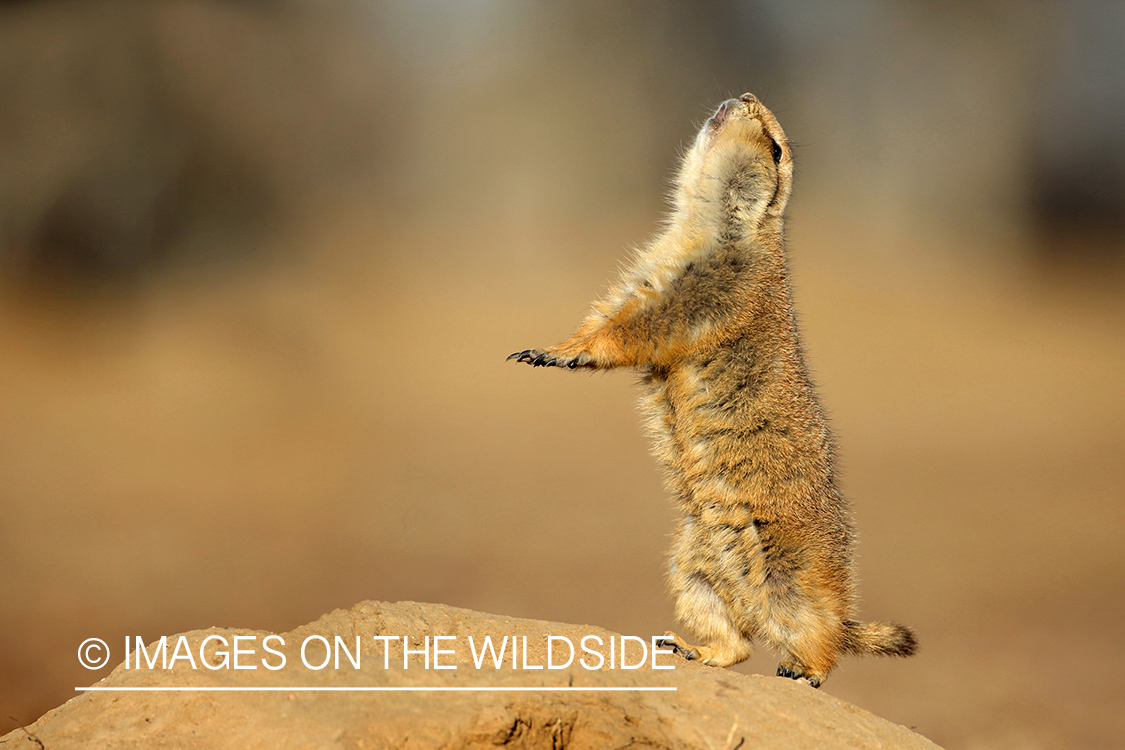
column 466, row 680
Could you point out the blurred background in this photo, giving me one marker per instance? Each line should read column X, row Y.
column 261, row 263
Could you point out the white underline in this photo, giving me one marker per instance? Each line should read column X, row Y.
column 367, row 689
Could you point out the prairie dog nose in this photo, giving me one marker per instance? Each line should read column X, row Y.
column 724, row 109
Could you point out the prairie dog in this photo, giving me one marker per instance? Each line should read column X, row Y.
column 764, row 548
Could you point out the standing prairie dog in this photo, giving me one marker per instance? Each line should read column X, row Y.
column 764, row 548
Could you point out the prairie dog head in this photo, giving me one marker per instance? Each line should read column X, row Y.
column 741, row 158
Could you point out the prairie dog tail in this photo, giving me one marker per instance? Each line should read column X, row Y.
column 882, row 638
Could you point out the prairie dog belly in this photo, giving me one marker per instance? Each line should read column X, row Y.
column 754, row 528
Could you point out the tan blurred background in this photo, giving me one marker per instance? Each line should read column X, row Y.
column 261, row 263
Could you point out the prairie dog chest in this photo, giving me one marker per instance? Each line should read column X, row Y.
column 717, row 427
column 687, row 407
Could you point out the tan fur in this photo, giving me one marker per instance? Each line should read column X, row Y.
column 764, row 548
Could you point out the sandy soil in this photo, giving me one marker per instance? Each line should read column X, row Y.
column 559, row 691
column 253, row 448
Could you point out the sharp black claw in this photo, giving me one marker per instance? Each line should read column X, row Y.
column 796, row 673
column 512, row 356
column 572, row 364
column 690, row 653
column 538, row 361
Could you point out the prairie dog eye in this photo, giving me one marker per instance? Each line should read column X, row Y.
column 776, row 152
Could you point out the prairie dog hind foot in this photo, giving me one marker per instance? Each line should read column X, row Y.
column 795, row 671
column 711, row 656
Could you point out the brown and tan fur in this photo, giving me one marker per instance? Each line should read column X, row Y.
column 764, row 549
